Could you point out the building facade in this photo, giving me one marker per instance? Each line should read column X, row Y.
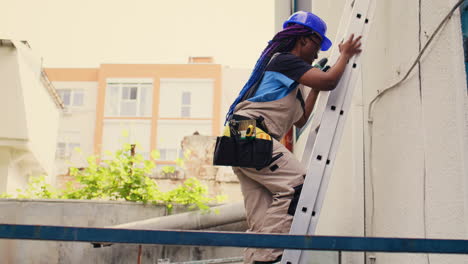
column 29, row 114
column 153, row 106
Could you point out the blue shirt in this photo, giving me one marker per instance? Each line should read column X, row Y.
column 280, row 78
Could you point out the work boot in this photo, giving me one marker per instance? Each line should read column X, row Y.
column 276, row 261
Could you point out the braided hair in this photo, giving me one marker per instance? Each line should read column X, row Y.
column 283, row 41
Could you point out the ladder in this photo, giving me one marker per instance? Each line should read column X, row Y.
column 327, row 126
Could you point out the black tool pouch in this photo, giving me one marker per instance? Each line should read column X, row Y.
column 243, row 152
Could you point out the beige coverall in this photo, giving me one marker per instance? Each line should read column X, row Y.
column 268, row 192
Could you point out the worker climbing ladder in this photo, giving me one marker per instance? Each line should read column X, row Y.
column 326, row 130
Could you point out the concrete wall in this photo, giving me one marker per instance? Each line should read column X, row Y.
column 92, row 214
column 42, row 115
column 12, row 96
column 14, row 131
column 16, row 169
column 412, row 180
column 29, row 118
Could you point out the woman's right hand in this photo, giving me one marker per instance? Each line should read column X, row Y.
column 327, row 81
column 351, row 47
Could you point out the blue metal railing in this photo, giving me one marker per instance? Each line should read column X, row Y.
column 232, row 239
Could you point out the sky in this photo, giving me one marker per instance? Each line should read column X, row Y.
column 87, row 33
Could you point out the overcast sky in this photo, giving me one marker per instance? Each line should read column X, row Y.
column 86, row 33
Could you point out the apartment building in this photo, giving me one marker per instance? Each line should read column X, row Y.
column 154, row 106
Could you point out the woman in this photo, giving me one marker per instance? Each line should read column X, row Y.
column 274, row 98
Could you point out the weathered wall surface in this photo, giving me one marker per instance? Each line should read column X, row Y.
column 406, row 175
column 417, row 174
column 92, row 214
column 12, row 96
column 29, row 118
column 42, row 114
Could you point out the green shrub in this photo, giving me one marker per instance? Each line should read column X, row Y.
column 121, row 176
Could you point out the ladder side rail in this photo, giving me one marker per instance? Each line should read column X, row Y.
column 328, row 169
column 324, row 138
column 325, row 124
column 318, row 162
column 340, row 130
column 319, row 111
column 321, row 105
column 338, row 134
column 326, row 134
column 322, row 99
column 315, row 171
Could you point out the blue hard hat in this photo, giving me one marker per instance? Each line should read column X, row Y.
column 313, row 22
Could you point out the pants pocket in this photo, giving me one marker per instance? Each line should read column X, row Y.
column 275, row 158
column 295, row 200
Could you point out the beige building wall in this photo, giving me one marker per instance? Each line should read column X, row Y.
column 76, row 125
column 29, row 117
column 77, row 120
column 411, row 181
column 95, row 83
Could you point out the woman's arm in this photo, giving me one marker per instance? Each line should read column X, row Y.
column 327, row 81
column 309, row 106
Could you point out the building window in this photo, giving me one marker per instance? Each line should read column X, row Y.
column 65, row 95
column 61, row 150
column 186, row 98
column 186, row 104
column 129, row 98
column 72, row 97
column 129, row 102
column 168, row 154
column 66, row 149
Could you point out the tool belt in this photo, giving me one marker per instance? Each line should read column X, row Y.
column 245, row 143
